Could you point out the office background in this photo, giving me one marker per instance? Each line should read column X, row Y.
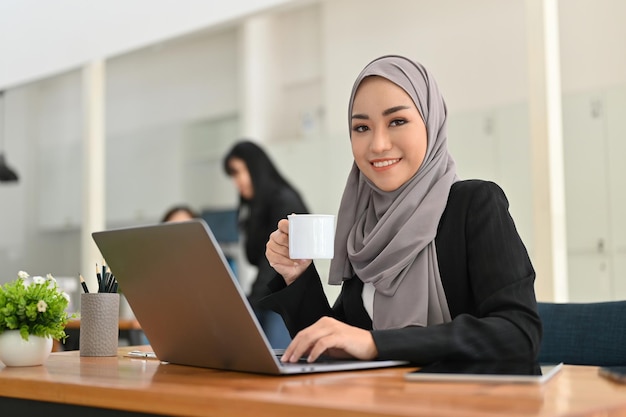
column 280, row 72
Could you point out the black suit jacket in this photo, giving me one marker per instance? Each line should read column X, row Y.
column 487, row 277
column 257, row 229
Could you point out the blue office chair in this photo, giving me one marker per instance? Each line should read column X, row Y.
column 583, row 333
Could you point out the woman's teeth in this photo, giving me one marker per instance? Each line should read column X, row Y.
column 380, row 164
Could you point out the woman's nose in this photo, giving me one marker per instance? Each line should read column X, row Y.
column 237, row 183
column 381, row 141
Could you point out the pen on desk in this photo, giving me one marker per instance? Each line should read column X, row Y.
column 108, row 282
column 113, row 284
column 83, row 283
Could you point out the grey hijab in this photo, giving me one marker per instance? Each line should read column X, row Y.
column 388, row 238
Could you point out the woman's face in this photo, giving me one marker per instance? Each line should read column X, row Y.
column 241, row 177
column 388, row 134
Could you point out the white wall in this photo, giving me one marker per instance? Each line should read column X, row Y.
column 592, row 51
column 155, row 96
column 39, row 39
column 36, row 114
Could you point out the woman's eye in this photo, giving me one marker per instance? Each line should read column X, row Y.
column 360, row 128
column 397, row 122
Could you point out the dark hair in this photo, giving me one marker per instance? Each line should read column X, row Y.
column 263, row 173
column 175, row 209
column 272, row 194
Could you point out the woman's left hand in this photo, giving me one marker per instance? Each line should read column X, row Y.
column 333, row 338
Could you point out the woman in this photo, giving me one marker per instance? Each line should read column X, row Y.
column 431, row 267
column 265, row 197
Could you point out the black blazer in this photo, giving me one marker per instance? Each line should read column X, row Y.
column 257, row 230
column 487, row 277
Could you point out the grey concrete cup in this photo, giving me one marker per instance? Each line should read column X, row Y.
column 99, row 324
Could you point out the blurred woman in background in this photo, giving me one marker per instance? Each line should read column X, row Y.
column 265, row 197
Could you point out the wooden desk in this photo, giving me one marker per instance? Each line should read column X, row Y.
column 146, row 386
column 124, row 324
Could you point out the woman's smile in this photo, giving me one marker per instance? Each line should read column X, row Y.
column 384, row 164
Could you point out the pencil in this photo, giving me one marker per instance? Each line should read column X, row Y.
column 103, row 277
column 84, row 284
column 98, row 277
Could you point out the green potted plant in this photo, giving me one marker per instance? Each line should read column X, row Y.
column 32, row 314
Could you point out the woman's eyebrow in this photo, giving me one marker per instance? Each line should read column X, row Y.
column 394, row 109
column 385, row 113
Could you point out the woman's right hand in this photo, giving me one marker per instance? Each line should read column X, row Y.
column 277, row 253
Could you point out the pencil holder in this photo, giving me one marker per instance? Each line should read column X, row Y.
column 99, row 324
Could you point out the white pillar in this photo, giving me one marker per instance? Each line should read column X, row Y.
column 257, row 92
column 257, row 97
column 93, row 187
column 549, row 227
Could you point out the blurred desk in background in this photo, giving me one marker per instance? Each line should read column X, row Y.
column 130, row 334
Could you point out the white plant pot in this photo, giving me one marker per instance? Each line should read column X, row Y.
column 15, row 351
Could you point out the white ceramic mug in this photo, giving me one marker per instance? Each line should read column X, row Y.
column 311, row 236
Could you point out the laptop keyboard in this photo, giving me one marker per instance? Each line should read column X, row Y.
column 321, row 360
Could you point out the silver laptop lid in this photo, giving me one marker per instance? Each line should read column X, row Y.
column 185, row 297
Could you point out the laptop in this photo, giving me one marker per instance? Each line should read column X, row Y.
column 190, row 305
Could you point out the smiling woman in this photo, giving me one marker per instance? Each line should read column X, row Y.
column 431, row 267
column 388, row 133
